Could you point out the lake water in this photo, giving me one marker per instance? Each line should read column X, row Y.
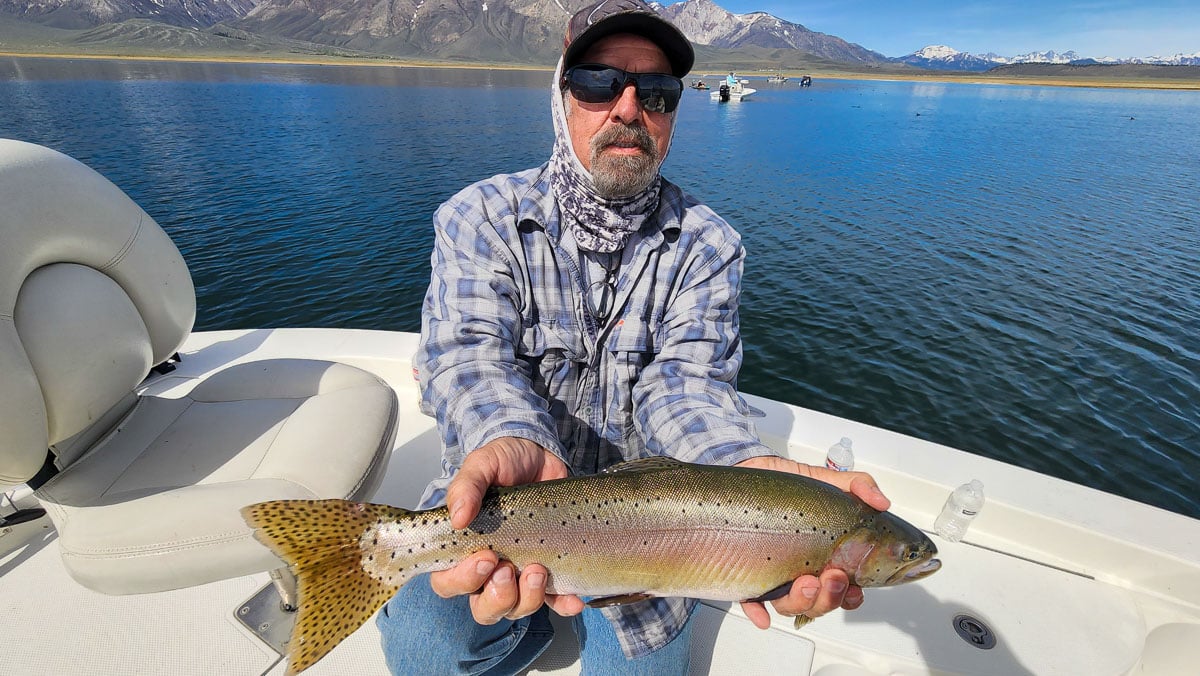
column 1009, row 270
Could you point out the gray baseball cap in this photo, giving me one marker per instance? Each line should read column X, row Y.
column 609, row 17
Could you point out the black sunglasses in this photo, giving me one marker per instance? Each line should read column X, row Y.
column 597, row 83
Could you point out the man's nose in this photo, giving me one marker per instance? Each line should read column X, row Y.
column 627, row 107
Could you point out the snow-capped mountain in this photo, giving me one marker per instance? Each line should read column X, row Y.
column 1177, row 60
column 1045, row 57
column 941, row 57
column 706, row 23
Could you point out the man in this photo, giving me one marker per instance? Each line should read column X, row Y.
column 583, row 313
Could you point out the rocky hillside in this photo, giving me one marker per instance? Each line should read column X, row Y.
column 502, row 31
column 522, row 31
column 706, row 23
column 93, row 13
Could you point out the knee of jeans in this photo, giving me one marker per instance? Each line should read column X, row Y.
column 423, row 635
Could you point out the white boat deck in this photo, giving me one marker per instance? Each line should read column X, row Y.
column 1068, row 580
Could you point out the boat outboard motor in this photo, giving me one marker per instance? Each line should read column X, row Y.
column 723, row 93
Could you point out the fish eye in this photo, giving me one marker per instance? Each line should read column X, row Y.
column 913, row 555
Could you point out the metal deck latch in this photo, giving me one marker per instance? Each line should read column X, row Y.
column 974, row 631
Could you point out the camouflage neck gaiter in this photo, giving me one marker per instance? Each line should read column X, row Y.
column 599, row 224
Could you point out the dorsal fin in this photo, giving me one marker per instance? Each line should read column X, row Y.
column 644, row 465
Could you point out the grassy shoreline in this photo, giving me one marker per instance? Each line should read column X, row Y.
column 817, row 73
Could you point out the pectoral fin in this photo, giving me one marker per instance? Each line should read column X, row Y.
column 618, row 600
column 776, row 593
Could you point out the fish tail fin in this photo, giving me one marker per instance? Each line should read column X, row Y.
column 801, row 621
column 320, row 541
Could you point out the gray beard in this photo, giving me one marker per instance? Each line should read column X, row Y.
column 622, row 176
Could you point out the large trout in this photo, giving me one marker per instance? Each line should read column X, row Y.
column 655, row 527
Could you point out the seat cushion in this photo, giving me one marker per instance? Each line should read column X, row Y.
column 154, row 505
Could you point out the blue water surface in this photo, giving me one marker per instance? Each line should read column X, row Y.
column 1008, row 270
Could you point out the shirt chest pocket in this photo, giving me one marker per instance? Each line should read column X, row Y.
column 631, row 347
column 550, row 349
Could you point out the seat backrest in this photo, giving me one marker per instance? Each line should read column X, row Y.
column 92, row 294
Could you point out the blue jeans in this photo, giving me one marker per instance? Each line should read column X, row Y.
column 426, row 634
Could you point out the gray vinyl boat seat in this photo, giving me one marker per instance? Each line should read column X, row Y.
column 144, row 491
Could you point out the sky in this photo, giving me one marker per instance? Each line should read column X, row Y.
column 1091, row 28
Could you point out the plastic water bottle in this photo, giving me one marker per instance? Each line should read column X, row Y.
column 840, row 457
column 960, row 509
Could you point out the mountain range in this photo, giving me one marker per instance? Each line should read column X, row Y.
column 941, row 57
column 496, row 31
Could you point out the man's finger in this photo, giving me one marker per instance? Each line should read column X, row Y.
column 465, row 578
column 531, row 588
column 566, row 605
column 498, row 596
column 864, row 486
column 757, row 613
column 465, row 493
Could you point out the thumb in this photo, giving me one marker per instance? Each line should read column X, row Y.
column 465, row 495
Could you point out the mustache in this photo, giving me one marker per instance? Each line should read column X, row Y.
column 625, row 134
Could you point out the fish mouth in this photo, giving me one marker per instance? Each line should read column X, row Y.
column 917, row 572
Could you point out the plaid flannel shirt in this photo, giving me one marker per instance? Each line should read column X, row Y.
column 511, row 347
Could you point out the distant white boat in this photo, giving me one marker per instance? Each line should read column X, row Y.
column 737, row 92
column 1051, row 578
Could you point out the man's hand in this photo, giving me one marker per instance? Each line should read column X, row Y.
column 810, row 595
column 496, row 590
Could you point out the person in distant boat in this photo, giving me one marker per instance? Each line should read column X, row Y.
column 581, row 314
column 730, row 80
